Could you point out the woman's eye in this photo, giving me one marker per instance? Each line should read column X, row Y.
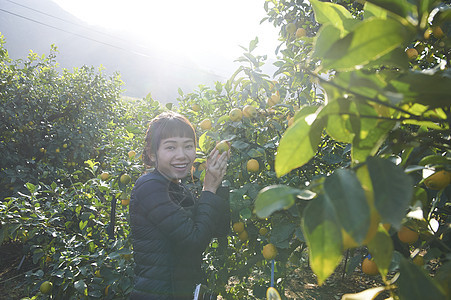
column 189, row 147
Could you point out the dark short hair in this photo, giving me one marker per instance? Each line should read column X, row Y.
column 166, row 125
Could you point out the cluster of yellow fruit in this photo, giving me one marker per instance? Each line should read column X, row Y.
column 239, row 228
column 237, row 114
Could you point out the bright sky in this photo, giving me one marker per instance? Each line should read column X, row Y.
column 208, row 32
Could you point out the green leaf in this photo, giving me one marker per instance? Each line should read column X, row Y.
column 253, row 44
column 430, row 89
column 323, row 234
column 370, row 40
column 415, row 284
column 400, row 7
column 393, row 190
column 338, row 120
column 372, row 10
column 347, row 197
column 381, row 249
column 298, row 144
column 81, row 287
column 330, row 13
column 434, row 160
column 282, row 233
column 273, row 198
column 370, row 132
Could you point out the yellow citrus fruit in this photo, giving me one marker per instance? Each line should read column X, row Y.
column 249, row 111
column 222, row 146
column 438, row 180
column 369, row 267
column 42, row 150
column 125, row 202
column 269, row 251
column 272, row 294
column 205, row 124
column 196, row 107
column 46, row 287
column 57, row 150
column 408, row 236
column 427, row 33
column 438, row 32
column 243, row 236
column 263, row 231
column 291, row 28
column 273, row 100
column 64, row 146
column 236, row 114
column 418, row 260
column 300, row 32
column 125, row 178
column 412, row 53
column 252, row 165
column 131, row 154
column 238, row 227
column 104, row 176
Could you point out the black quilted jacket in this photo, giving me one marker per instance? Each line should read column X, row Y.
column 170, row 230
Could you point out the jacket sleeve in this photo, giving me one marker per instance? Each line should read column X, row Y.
column 182, row 229
column 223, row 224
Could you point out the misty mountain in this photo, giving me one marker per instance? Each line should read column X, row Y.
column 35, row 25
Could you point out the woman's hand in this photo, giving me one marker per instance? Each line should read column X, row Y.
column 216, row 169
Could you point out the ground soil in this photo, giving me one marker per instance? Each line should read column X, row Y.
column 301, row 283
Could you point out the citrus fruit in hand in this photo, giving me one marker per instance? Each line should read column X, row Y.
column 46, row 287
column 249, row 111
column 222, row 146
column 407, row 235
column 369, row 267
column 125, row 178
column 235, row 114
column 205, row 124
column 252, row 165
column 269, row 251
column 272, row 294
column 438, row 180
column 238, row 227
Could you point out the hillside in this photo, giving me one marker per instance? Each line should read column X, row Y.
column 35, row 25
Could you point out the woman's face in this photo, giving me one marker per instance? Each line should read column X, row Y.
column 175, row 157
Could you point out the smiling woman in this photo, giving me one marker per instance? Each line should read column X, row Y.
column 202, row 30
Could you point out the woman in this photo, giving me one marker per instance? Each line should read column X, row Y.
column 171, row 229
